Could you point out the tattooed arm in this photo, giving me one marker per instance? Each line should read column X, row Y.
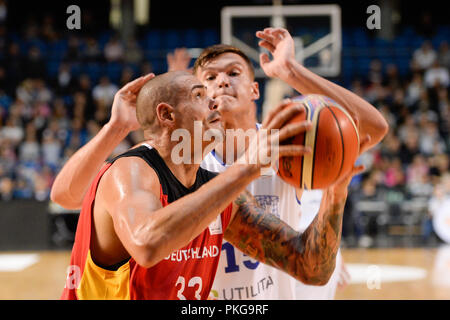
column 309, row 257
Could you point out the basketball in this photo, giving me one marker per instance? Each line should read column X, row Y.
column 333, row 139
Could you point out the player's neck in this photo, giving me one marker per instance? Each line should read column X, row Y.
column 184, row 171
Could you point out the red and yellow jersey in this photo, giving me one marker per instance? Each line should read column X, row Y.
column 187, row 273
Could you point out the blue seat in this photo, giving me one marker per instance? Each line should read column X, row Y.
column 363, row 65
column 114, row 71
column 53, row 67
column 210, row 37
column 75, row 69
column 57, row 49
column 172, row 39
column 159, row 65
column 103, row 39
column 153, row 40
column 192, row 39
column 93, row 70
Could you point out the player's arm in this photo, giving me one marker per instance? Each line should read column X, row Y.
column 309, row 257
column 130, row 193
column 72, row 182
column 285, row 67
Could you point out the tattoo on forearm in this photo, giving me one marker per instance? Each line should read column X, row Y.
column 309, row 257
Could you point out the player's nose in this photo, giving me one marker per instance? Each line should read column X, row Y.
column 223, row 81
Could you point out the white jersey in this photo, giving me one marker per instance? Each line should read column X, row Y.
column 239, row 277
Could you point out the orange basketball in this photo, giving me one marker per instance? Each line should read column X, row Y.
column 333, row 139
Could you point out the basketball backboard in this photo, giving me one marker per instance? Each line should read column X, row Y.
column 316, row 30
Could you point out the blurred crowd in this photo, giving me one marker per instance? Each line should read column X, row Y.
column 45, row 117
column 412, row 161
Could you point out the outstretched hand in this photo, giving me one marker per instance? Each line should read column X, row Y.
column 179, row 60
column 280, row 44
column 123, row 112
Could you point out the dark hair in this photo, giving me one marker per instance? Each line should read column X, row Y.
column 216, row 50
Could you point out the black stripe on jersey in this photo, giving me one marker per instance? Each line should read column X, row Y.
column 171, row 186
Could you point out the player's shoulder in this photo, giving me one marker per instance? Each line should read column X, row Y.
column 130, row 170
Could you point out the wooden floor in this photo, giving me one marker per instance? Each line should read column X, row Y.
column 45, row 279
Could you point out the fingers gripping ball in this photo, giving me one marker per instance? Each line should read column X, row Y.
column 333, row 139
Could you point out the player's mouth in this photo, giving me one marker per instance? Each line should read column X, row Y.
column 214, row 118
column 223, row 94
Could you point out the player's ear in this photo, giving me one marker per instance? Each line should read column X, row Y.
column 255, row 90
column 165, row 114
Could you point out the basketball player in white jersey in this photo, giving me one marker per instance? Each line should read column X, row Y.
column 234, row 88
column 227, row 73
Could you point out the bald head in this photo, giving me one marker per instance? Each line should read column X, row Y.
column 165, row 88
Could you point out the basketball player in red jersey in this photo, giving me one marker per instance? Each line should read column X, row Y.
column 151, row 229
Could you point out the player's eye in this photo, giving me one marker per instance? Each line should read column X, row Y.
column 233, row 73
column 210, row 77
column 198, row 94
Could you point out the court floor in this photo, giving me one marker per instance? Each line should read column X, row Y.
column 407, row 273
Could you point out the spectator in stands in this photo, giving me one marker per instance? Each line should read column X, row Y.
column 12, row 131
column 439, row 166
column 409, row 147
column 22, row 189
column 430, row 142
column 77, row 135
column 425, row 56
column 5, row 103
column 390, row 147
column 414, row 90
column 417, row 169
column 392, row 78
column 439, row 199
column 6, row 188
column 444, row 114
column 41, row 92
column 65, row 79
column 79, row 106
column 40, row 187
column 114, row 50
column 92, row 129
column 104, row 92
column 73, row 54
column 8, row 158
column 393, row 173
column 29, row 150
column 133, row 52
column 51, row 150
column 92, row 52
column 60, row 115
column 375, row 75
column 444, row 55
column 369, row 191
column 126, row 76
column 436, row 76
